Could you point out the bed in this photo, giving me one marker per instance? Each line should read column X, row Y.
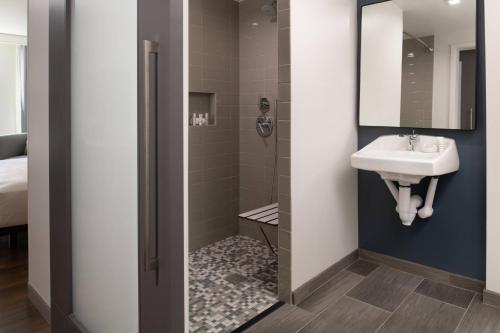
column 13, row 188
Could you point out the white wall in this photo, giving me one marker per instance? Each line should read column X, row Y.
column 104, row 165
column 492, row 8
column 13, row 17
column 8, row 77
column 382, row 43
column 38, row 148
column 323, row 135
column 443, row 40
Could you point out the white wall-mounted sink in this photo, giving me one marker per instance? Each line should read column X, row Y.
column 407, row 160
column 390, row 157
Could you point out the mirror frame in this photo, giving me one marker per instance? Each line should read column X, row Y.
column 480, row 70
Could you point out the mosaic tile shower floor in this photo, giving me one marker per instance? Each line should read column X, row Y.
column 230, row 282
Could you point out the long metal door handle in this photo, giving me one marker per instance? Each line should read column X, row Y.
column 150, row 262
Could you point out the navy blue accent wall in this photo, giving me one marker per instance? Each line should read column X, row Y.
column 454, row 238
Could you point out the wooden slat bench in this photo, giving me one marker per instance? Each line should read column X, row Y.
column 267, row 215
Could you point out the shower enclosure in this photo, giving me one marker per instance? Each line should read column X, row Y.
column 233, row 92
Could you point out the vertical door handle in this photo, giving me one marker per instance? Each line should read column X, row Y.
column 150, row 261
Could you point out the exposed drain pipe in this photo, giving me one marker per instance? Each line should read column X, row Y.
column 427, row 210
column 393, row 189
column 407, row 203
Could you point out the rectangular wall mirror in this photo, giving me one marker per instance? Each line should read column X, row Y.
column 418, row 64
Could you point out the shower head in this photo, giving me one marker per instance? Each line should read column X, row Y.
column 428, row 49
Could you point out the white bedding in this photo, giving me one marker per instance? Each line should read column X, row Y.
column 13, row 192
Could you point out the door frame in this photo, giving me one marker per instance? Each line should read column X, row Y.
column 454, row 116
column 61, row 267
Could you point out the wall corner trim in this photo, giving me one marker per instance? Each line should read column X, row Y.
column 307, row 289
column 39, row 303
column 491, row 298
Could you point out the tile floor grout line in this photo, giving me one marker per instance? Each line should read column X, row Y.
column 360, row 301
column 453, row 286
column 374, row 261
column 364, row 276
column 309, row 322
column 345, row 294
column 423, row 279
column 402, row 302
column 438, row 300
column 331, row 278
column 465, row 313
column 448, row 285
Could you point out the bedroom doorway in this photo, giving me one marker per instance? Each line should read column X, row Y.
column 15, row 255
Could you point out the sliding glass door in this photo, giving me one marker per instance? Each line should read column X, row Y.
column 104, row 164
column 117, row 161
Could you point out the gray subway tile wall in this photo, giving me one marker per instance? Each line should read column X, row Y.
column 213, row 150
column 284, row 195
column 417, row 83
column 258, row 77
column 240, row 55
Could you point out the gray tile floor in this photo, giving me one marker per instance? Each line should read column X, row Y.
column 230, row 282
column 369, row 298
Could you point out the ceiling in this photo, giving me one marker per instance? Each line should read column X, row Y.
column 14, row 17
column 426, row 17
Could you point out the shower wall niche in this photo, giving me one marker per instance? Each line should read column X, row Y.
column 202, row 109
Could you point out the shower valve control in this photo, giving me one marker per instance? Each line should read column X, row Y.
column 264, row 105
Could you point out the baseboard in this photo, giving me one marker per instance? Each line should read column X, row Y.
column 308, row 288
column 77, row 325
column 491, row 298
column 435, row 274
column 39, row 303
column 64, row 323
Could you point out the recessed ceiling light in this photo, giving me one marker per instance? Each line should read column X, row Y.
column 411, row 55
column 453, row 2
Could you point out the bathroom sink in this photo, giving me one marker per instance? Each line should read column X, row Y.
column 391, row 157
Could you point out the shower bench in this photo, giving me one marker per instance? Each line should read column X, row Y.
column 267, row 215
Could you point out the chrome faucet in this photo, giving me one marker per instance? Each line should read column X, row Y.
column 412, row 140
